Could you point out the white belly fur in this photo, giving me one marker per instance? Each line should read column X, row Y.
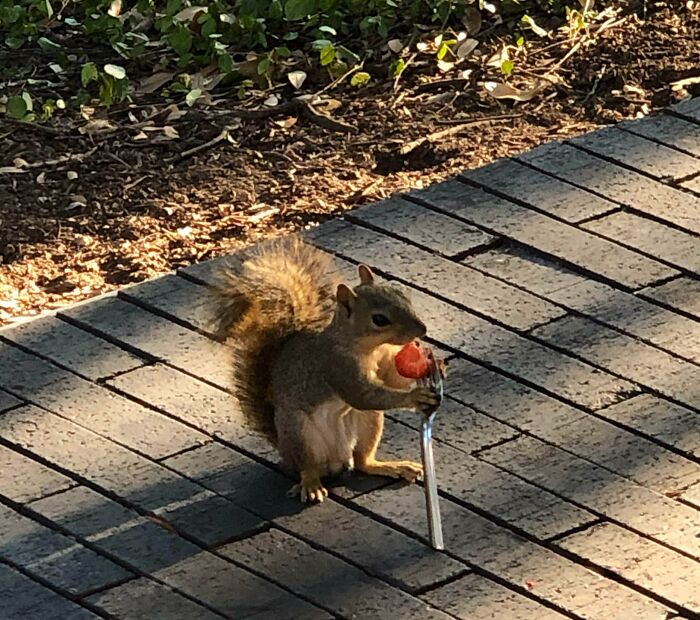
column 331, row 431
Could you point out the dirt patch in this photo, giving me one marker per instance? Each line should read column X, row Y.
column 122, row 208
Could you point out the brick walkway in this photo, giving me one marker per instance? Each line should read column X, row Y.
column 564, row 283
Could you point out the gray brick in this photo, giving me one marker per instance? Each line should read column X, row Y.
column 639, row 561
column 7, row 401
column 123, row 472
column 634, row 315
column 625, row 356
column 569, row 428
column 406, row 220
column 24, row 480
column 238, row 478
column 506, row 497
column 376, row 548
column 57, row 559
column 95, row 407
column 692, row 184
column 692, row 495
column 456, row 282
column 156, row 336
column 140, row 542
column 682, row 293
column 177, row 297
column 688, row 107
column 618, row 184
column 513, row 559
column 379, row 550
column 73, row 348
column 143, row 599
column 656, row 417
column 464, row 427
column 206, row 407
column 512, row 179
column 543, row 233
column 639, row 233
column 639, row 153
column 325, row 579
column 537, row 274
column 24, row 599
column 474, row 597
column 235, row 592
column 600, row 490
column 668, row 130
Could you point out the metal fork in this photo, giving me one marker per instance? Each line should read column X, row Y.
column 433, row 380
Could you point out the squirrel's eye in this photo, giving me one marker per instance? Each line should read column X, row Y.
column 380, row 320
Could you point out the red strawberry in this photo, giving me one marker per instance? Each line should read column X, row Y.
column 412, row 361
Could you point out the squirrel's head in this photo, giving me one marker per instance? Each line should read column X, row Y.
column 377, row 313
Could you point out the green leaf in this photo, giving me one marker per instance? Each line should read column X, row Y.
column 398, row 67
column 538, row 30
column 28, row 101
column 360, row 78
column 521, row 41
column 47, row 44
column 263, row 66
column 14, row 43
column 298, row 9
column 283, row 52
column 117, row 72
column 192, row 96
column 226, row 63
column 507, row 67
column 181, row 40
column 16, row 107
column 107, row 90
column 88, row 73
column 327, row 55
column 442, row 51
column 328, row 29
column 276, row 10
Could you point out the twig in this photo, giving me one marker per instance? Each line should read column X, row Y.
column 397, row 79
column 443, row 133
column 323, row 120
column 342, row 78
column 611, row 22
column 49, row 162
column 478, row 121
column 37, row 127
column 223, row 135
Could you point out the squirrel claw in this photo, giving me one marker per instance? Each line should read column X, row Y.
column 312, row 491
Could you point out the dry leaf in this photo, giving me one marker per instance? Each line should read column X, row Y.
column 115, row 8
column 186, row 15
column 271, row 101
column 445, row 66
column 140, row 136
column 71, row 175
column 170, row 132
column 422, row 46
column 467, row 48
column 472, row 19
column 185, row 232
column 174, row 113
column 499, row 90
column 20, row 163
column 680, row 84
column 395, row 46
column 153, row 82
column 41, row 178
column 286, row 123
column 97, row 125
column 11, row 170
column 296, row 78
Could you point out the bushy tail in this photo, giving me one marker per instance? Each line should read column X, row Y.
column 283, row 287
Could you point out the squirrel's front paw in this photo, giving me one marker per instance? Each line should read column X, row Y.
column 423, row 398
column 410, row 471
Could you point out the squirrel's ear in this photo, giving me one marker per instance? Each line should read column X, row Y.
column 366, row 275
column 346, row 297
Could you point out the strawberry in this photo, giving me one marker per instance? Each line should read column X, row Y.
column 412, row 361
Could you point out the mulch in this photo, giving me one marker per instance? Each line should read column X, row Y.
column 84, row 213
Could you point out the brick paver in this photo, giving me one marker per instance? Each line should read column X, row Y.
column 563, row 284
column 566, row 242
column 663, row 242
column 25, row 599
column 640, row 153
column 619, row 184
column 669, row 130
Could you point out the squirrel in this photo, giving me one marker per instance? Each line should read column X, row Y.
column 313, row 360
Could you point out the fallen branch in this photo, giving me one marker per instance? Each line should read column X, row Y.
column 223, row 135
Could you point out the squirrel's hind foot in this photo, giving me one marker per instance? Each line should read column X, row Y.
column 408, row 470
column 310, row 489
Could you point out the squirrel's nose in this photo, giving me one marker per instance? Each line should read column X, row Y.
column 422, row 329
